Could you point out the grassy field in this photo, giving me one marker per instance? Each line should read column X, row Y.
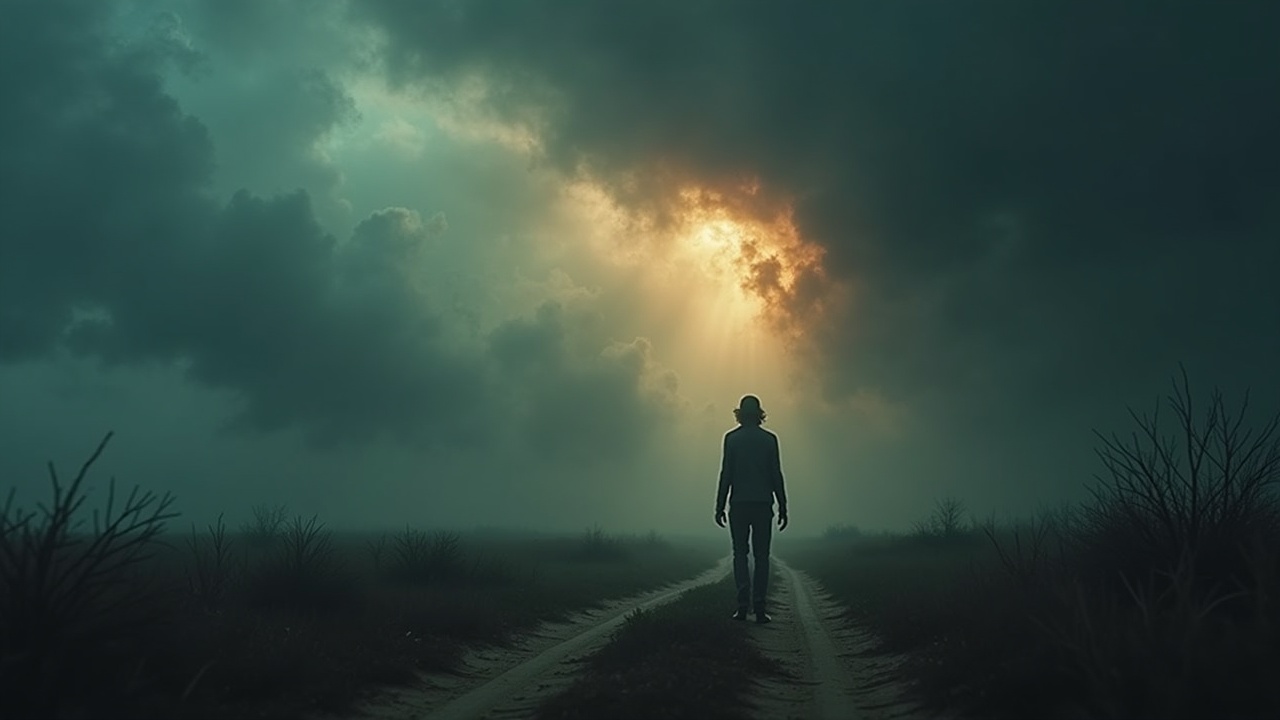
column 951, row 608
column 987, row 642
column 1157, row 598
column 682, row 660
column 278, row 619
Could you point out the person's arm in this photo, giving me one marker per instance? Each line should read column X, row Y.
column 779, row 487
column 726, row 478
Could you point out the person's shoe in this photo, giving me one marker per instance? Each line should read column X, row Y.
column 739, row 614
column 763, row 617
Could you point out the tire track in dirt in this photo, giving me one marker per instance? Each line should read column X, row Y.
column 510, row 682
column 832, row 668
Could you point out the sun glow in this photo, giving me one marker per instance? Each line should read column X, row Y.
column 729, row 286
column 717, row 248
column 757, row 265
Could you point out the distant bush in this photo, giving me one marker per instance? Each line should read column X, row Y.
column 377, row 547
column 266, row 526
column 212, row 569
column 496, row 571
column 841, row 531
column 653, row 540
column 69, row 597
column 304, row 575
column 596, row 544
column 947, row 523
column 422, row 558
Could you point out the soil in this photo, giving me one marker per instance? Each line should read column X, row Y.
column 509, row 682
column 831, row 667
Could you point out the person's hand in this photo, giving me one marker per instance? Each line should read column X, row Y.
column 720, row 518
column 782, row 520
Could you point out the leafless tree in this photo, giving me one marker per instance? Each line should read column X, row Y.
column 65, row 586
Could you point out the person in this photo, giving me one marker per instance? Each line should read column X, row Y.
column 750, row 480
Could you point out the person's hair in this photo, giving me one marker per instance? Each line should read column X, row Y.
column 749, row 417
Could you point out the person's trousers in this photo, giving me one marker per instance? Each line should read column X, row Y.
column 750, row 526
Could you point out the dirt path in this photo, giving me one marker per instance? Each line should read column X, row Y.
column 511, row 682
column 832, row 669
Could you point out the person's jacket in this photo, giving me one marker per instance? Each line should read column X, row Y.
column 750, row 468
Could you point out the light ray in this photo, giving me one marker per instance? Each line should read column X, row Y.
column 721, row 282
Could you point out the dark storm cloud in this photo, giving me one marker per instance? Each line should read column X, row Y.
column 281, row 113
column 262, row 77
column 108, row 219
column 101, row 171
column 1036, row 201
column 565, row 400
column 114, row 248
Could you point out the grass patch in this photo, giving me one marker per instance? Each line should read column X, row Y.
column 686, row 659
column 596, row 544
column 1156, row 598
column 115, row 618
column 327, row 638
column 423, row 558
column 951, row 607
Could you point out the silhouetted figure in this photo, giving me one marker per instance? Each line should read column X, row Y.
column 750, row 479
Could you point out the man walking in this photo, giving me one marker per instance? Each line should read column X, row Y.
column 750, row 479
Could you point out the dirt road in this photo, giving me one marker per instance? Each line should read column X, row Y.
column 511, row 682
column 832, row 670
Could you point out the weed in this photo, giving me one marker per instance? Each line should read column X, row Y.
column 596, row 544
column 839, row 531
column 424, row 558
column 212, row 569
column 377, row 548
column 946, row 523
column 303, row 577
column 266, row 526
column 67, row 596
column 1155, row 598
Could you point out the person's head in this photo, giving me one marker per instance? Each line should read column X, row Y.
column 749, row 411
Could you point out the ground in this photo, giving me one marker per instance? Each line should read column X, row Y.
column 829, row 669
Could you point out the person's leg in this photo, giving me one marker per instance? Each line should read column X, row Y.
column 739, row 527
column 761, row 537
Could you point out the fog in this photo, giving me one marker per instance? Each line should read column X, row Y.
column 513, row 264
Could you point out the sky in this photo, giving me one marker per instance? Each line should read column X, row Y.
column 478, row 262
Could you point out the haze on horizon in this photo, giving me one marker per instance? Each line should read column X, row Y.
column 512, row 264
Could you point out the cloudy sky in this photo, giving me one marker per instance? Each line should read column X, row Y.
column 459, row 262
